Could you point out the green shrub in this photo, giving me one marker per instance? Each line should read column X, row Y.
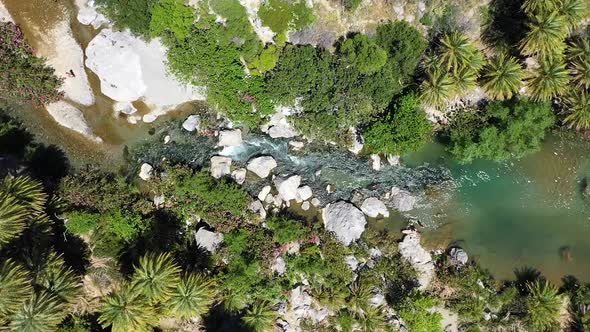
column 125, row 227
column 25, row 78
column 282, row 15
column 171, row 15
column 414, row 312
column 81, row 223
column 265, row 61
column 403, row 130
column 503, row 130
column 362, row 52
column 133, row 14
column 351, row 5
column 286, row 230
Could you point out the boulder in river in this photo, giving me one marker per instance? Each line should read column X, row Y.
column 345, row 220
column 402, row 200
column 373, row 208
column 304, row 193
column 287, row 187
column 418, row 257
column 66, row 115
column 262, row 166
column 220, row 166
column 230, row 137
column 191, row 123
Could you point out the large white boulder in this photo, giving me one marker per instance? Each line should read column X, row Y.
column 72, row 118
column 373, row 208
column 230, row 137
column 4, row 14
column 220, row 166
column 345, row 220
column 420, row 259
column 191, row 123
column 208, row 240
column 131, row 69
column 262, row 166
column 278, row 125
column 287, row 187
column 264, row 193
column 88, row 15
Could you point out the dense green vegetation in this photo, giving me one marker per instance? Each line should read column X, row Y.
column 24, row 78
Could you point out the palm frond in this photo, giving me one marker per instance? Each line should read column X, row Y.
column 13, row 218
column 545, row 36
column 15, row 288
column 543, row 305
column 578, row 113
column 463, row 80
column 502, row 77
column 260, row 317
column 549, row 80
column 59, row 280
column 437, row 88
column 457, row 51
column 42, row 312
column 156, row 276
column 573, row 11
column 27, row 191
column 535, row 7
column 127, row 310
column 191, row 298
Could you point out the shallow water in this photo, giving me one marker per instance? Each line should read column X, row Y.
column 514, row 214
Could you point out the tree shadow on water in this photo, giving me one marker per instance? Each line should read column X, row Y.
column 526, row 275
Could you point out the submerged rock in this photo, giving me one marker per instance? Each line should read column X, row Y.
column 287, row 188
column 262, row 166
column 220, row 166
column 420, row 259
column 208, row 240
column 376, row 162
column 72, row 118
column 345, row 220
column 373, row 208
column 146, row 171
column 402, row 200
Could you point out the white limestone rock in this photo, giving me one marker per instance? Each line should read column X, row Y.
column 264, row 193
column 352, row 262
column 402, row 200
column 208, row 240
column 278, row 125
column 376, row 162
column 262, row 166
column 305, row 206
column 230, row 137
column 458, row 256
column 315, row 202
column 279, row 266
column 418, row 257
column 345, row 220
column 192, row 123
column 257, row 207
column 287, row 188
column 239, row 175
column 304, row 193
column 373, row 208
column 88, row 15
column 357, row 141
column 126, row 108
column 146, row 171
column 220, row 166
column 72, row 118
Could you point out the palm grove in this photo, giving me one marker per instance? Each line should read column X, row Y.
column 88, row 251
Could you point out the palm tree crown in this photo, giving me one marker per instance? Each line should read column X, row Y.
column 502, row 77
column 543, row 305
column 578, row 113
column 127, row 310
column 549, row 80
column 191, row 298
column 545, row 36
column 156, row 276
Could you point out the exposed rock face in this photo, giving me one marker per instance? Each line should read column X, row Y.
column 146, row 171
column 373, row 208
column 230, row 137
column 458, row 256
column 72, row 118
column 345, row 220
column 208, row 240
column 262, row 166
column 402, row 200
column 88, row 15
column 4, row 14
column 420, row 259
column 220, row 166
column 131, row 69
column 287, row 188
column 191, row 123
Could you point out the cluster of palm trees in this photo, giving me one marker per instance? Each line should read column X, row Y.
column 37, row 289
column 558, row 63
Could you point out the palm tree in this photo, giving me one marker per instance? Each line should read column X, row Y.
column 156, row 277
column 127, row 310
column 502, row 77
column 373, row 320
column 549, row 80
column 41, row 312
column 573, row 12
column 437, row 88
column 358, row 303
column 545, row 36
column 457, row 51
column 191, row 298
column 580, row 69
column 15, row 288
column 260, row 317
column 27, row 191
column 13, row 218
column 543, row 305
column 463, row 80
column 59, row 280
column 534, row 7
column 578, row 116
column 580, row 47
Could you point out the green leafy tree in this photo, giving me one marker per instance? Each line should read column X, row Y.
column 15, row 288
column 577, row 104
column 437, row 88
column 41, row 312
column 415, row 313
column 133, row 14
column 171, row 15
column 283, row 15
column 265, row 61
column 543, row 305
column 502, row 77
column 403, row 130
column 549, row 80
column 545, row 36
column 156, row 276
column 260, row 317
column 363, row 53
column 192, row 297
column 127, row 310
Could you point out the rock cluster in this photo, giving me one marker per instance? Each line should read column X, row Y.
column 420, row 259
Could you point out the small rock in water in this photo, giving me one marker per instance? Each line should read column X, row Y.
column 146, row 171
column 315, row 202
column 230, row 137
column 167, row 139
column 305, row 206
column 376, row 162
column 296, row 145
column 191, row 123
column 220, row 166
column 393, row 160
column 304, row 193
column 262, row 166
column 239, row 175
column 373, row 208
column 458, row 256
column 124, row 107
column 287, row 188
column 264, row 193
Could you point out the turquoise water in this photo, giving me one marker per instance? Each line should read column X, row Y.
column 509, row 215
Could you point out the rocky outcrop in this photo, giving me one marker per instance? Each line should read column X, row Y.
column 72, row 118
column 146, row 171
column 373, row 208
column 262, row 166
column 4, row 14
column 220, row 166
column 345, row 220
column 192, row 123
column 287, row 187
column 208, row 240
column 131, row 69
column 420, row 259
column 402, row 200
column 230, row 137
